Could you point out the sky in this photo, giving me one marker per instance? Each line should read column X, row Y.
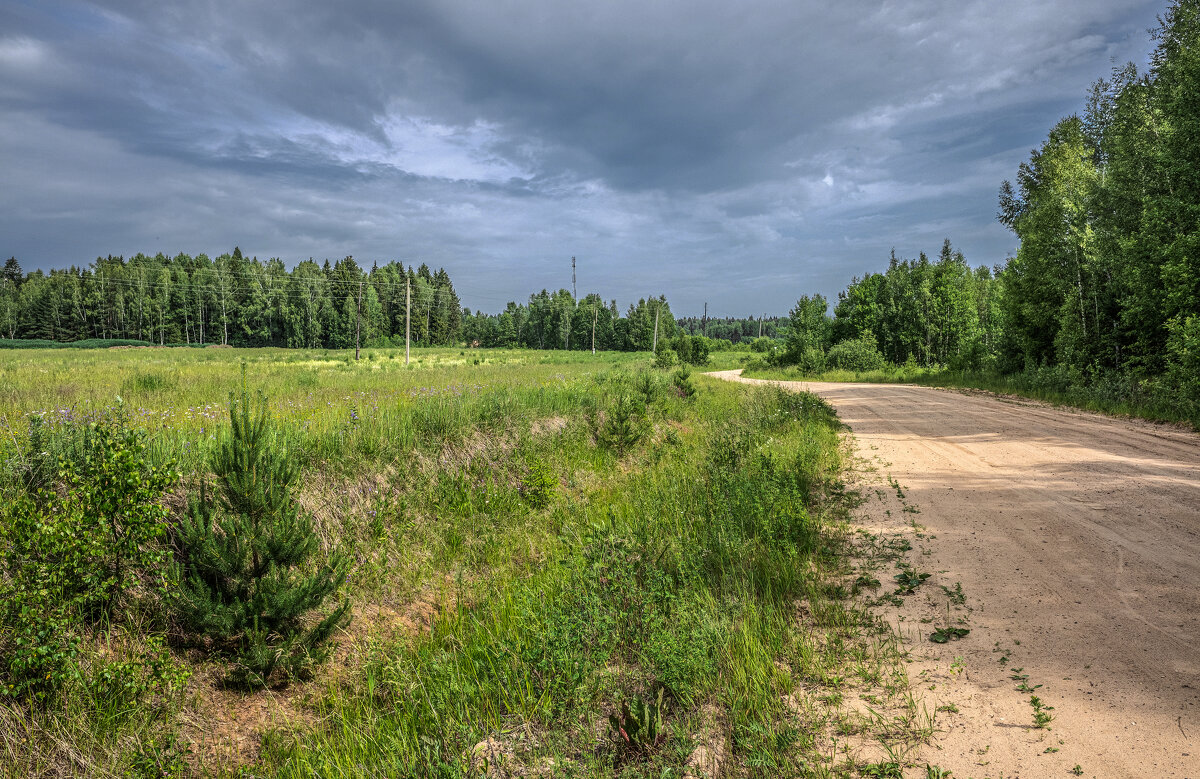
column 736, row 152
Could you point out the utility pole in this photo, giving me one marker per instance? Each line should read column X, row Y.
column 593, row 328
column 574, row 294
column 407, row 315
column 656, row 329
column 358, row 321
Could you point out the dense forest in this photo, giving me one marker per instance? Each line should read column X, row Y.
column 1105, row 286
column 238, row 301
column 228, row 300
column 939, row 312
column 1108, row 213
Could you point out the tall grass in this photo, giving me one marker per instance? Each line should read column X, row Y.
column 700, row 562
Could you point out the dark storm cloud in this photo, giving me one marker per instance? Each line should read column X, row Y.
column 743, row 153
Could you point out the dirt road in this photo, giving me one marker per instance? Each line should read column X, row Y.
column 1076, row 539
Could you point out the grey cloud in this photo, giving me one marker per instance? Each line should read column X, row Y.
column 747, row 152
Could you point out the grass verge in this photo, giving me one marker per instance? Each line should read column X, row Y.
column 1112, row 394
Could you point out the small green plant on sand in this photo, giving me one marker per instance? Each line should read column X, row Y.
column 948, row 633
column 1041, row 712
column 908, row 580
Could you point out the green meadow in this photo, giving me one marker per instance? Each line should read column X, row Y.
column 560, row 564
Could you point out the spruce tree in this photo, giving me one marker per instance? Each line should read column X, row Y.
column 241, row 559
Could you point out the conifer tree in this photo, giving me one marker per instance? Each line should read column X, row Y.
column 241, row 558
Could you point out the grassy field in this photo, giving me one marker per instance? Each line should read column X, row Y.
column 520, row 573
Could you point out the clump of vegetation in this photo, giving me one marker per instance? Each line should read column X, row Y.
column 908, row 579
column 625, row 424
column 859, row 355
column 637, row 728
column 539, row 484
column 681, row 380
column 241, row 558
column 86, row 540
column 646, row 385
column 692, row 349
column 1041, row 712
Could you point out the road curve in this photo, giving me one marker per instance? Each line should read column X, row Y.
column 1077, row 540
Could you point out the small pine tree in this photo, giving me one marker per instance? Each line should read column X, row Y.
column 240, row 559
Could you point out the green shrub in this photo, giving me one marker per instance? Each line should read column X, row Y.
column 72, row 556
column 666, row 358
column 681, row 380
column 240, row 560
column 812, row 361
column 691, row 349
column 762, row 344
column 1183, row 362
column 538, row 485
column 646, row 385
column 859, row 355
column 624, row 425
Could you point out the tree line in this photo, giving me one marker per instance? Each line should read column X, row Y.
column 231, row 300
column 1108, row 213
column 238, row 301
column 1105, row 285
column 560, row 321
column 940, row 312
column 734, row 329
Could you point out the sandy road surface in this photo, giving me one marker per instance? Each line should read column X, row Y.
column 1076, row 539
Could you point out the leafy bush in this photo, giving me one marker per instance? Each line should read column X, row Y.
column 666, row 358
column 1183, row 362
column 859, row 355
column 812, row 361
column 239, row 561
column 73, row 556
column 691, row 349
column 762, row 344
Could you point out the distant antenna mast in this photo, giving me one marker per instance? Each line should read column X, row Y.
column 574, row 294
